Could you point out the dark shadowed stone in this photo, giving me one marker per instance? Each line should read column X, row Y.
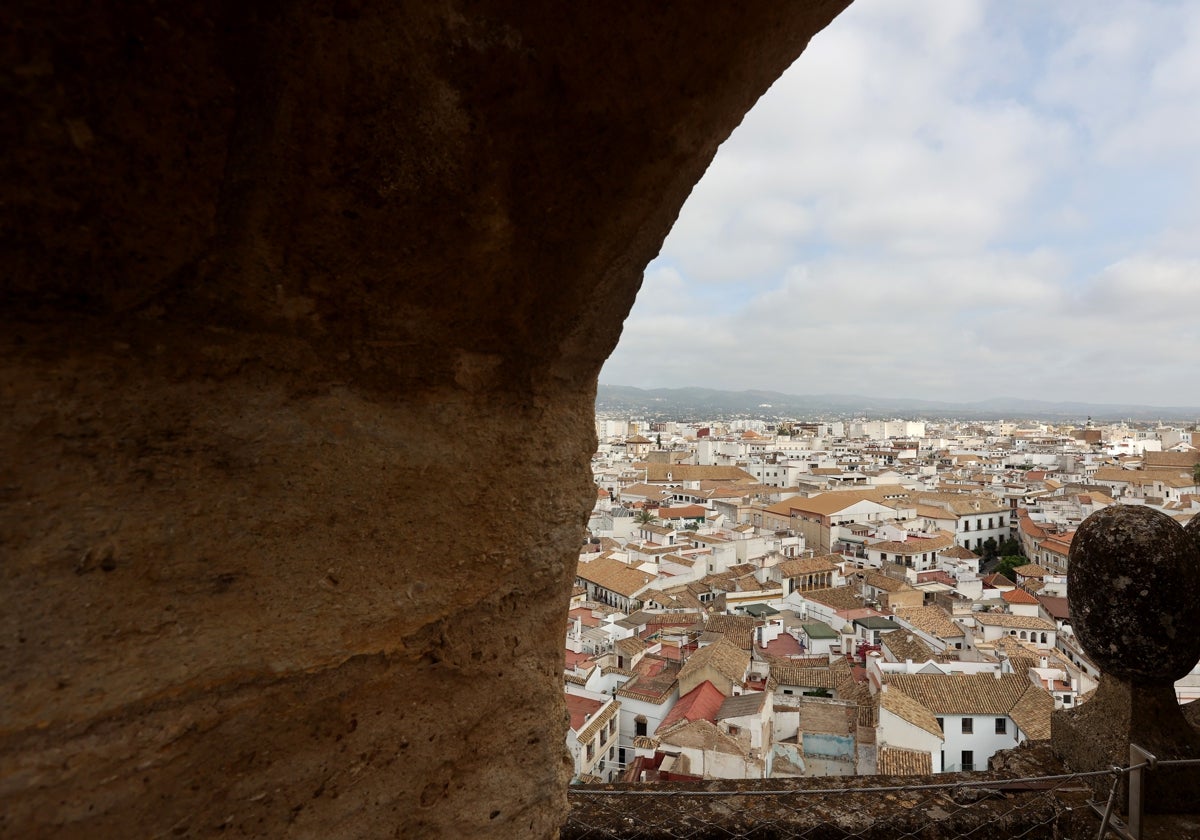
column 1135, row 594
column 1192, row 529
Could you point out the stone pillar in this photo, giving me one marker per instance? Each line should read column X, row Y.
column 302, row 311
column 1135, row 606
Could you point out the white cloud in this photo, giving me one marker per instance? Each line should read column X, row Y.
column 958, row 200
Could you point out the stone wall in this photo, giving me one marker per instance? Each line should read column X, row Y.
column 303, row 307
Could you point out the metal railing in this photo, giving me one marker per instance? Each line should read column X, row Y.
column 1050, row 806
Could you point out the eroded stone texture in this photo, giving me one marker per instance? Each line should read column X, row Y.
column 303, row 307
column 1134, row 601
column 1135, row 594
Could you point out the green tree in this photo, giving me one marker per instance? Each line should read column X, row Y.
column 645, row 517
column 1010, row 548
column 1196, row 472
column 990, row 548
column 1007, row 564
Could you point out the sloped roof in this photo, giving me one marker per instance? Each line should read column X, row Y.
column 1018, row 596
column 897, row 761
column 894, row 700
column 615, row 576
column 1019, row 622
column 1031, row 570
column 741, row 705
column 701, row 735
column 1032, row 713
column 904, row 645
column 701, row 703
column 962, row 694
column 738, row 629
column 724, row 656
column 808, row 565
column 933, row 620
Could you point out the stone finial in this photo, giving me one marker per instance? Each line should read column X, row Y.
column 1135, row 593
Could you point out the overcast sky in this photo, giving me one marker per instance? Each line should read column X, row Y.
column 955, row 200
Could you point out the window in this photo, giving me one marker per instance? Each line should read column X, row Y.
column 941, row 724
column 966, row 525
column 591, row 751
column 968, row 725
column 639, row 727
column 1066, row 699
column 1001, row 726
column 968, row 760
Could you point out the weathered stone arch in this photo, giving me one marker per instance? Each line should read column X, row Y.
column 303, row 307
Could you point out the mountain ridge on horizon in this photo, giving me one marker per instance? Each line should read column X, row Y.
column 691, row 399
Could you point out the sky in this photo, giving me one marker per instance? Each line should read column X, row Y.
column 948, row 200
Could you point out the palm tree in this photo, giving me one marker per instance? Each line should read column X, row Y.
column 644, row 517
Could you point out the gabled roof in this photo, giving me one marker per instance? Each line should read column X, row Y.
column 904, row 645
column 906, row 708
column 701, row 735
column 737, row 629
column 723, row 656
column 701, row 703
column 1032, row 713
column 1018, row 596
column 742, row 705
column 962, row 694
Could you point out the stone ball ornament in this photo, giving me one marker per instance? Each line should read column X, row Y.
column 1134, row 593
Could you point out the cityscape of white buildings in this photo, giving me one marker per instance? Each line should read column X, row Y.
column 766, row 600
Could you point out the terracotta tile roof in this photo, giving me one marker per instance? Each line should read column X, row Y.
column 581, row 709
column 914, row 545
column 738, row 629
column 701, row 735
column 597, row 721
column 897, row 761
column 630, row 646
column 724, row 657
column 904, row 645
column 615, row 576
column 701, row 703
column 839, row 597
column 838, row 675
column 1018, row 596
column 894, row 700
column 808, row 565
column 957, row 552
column 1057, row 607
column 741, row 705
column 962, row 694
column 1032, row 713
column 829, row 503
column 654, row 681
column 933, row 620
column 997, row 580
column 886, row 583
column 1020, row 622
column 1031, row 570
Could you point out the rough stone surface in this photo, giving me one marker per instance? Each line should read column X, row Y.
column 1134, row 599
column 303, row 307
column 833, row 808
column 1135, row 594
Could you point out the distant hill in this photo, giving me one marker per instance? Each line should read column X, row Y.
column 709, row 402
